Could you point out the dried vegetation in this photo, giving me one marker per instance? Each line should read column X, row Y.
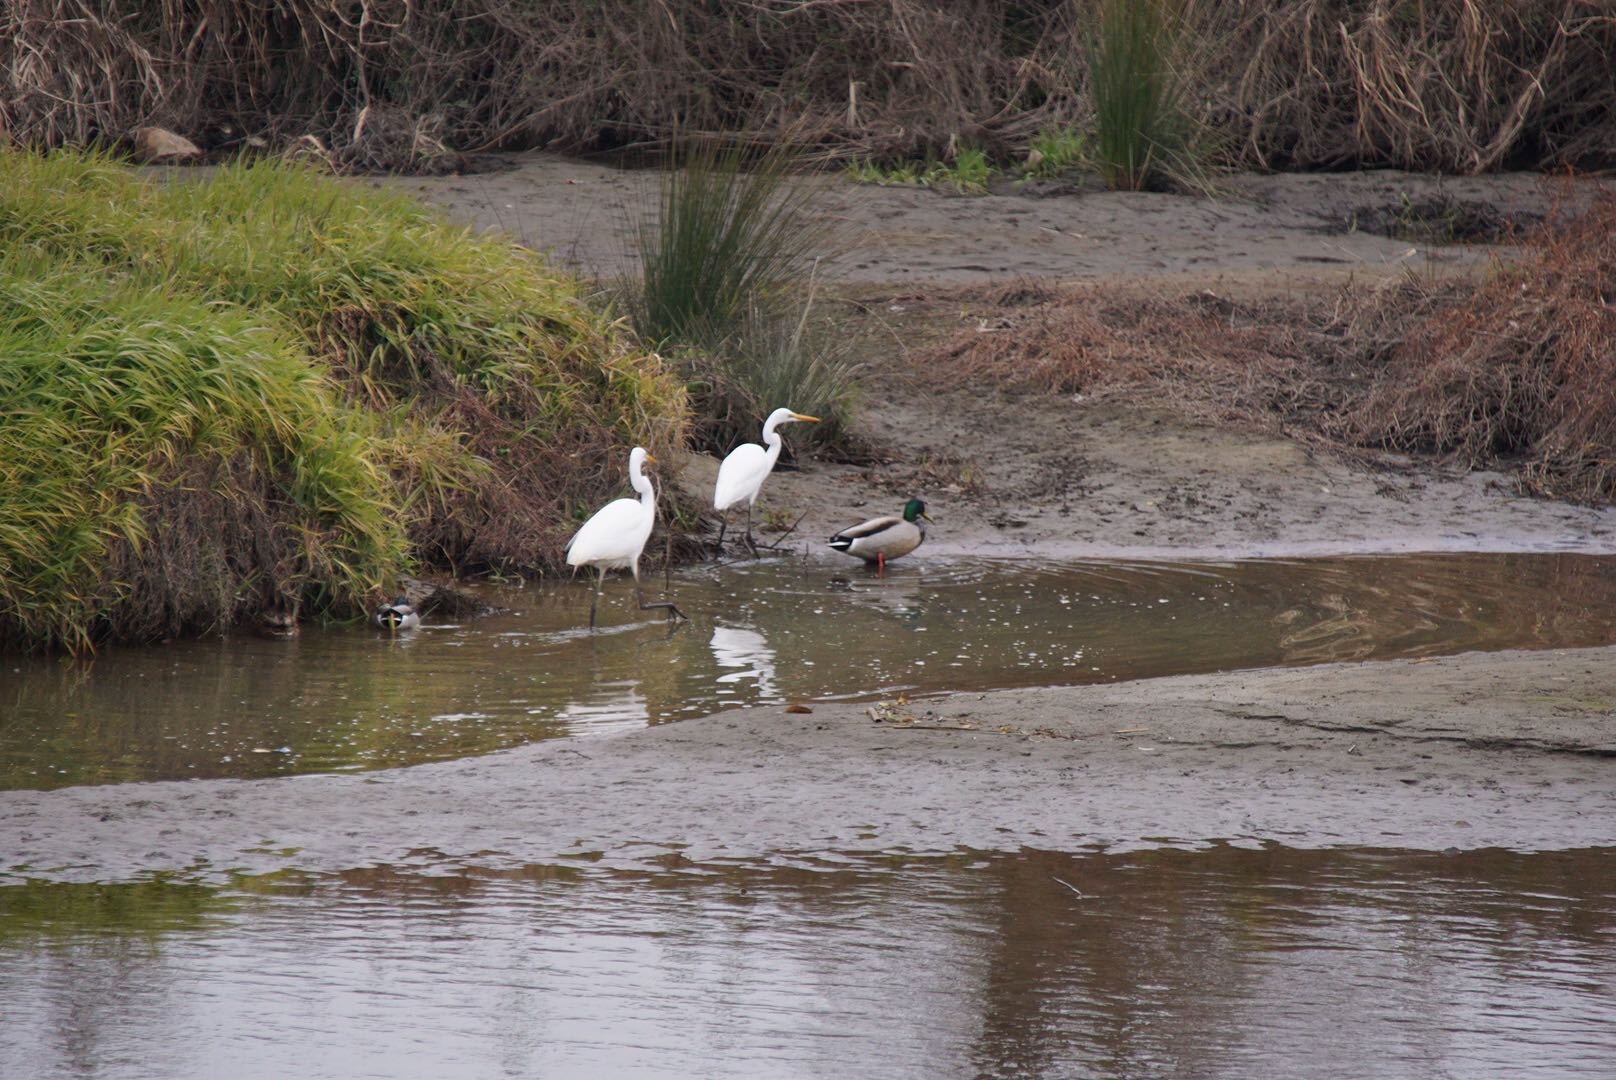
column 1457, row 85
column 1516, row 371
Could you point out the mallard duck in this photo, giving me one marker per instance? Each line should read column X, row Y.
column 742, row 473
column 400, row 614
column 276, row 623
column 615, row 536
column 879, row 539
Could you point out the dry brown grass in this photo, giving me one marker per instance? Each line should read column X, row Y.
column 1458, row 85
column 1520, row 371
column 1516, row 371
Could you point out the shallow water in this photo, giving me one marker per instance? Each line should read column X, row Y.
column 1225, row 962
column 768, row 632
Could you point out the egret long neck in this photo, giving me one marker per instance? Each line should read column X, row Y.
column 642, row 484
column 771, row 439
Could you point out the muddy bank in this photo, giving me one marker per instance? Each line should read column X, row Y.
column 1498, row 750
column 1303, row 228
column 1021, row 474
column 1025, row 476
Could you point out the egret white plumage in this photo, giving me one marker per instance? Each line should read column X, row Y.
column 400, row 614
column 615, row 536
column 742, row 473
column 883, row 538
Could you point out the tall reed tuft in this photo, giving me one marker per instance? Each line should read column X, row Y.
column 1143, row 136
column 729, row 260
column 729, row 233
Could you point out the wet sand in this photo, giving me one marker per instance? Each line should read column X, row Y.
column 1508, row 750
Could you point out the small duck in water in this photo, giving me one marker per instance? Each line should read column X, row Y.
column 879, row 539
column 398, row 615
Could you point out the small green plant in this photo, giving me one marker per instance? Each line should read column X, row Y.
column 1143, row 134
column 1053, row 152
column 868, row 172
column 968, row 173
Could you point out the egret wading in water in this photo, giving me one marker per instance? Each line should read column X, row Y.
column 614, row 538
column 879, row 539
column 741, row 475
column 398, row 615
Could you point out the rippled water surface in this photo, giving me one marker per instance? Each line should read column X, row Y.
column 1226, row 962
column 766, row 632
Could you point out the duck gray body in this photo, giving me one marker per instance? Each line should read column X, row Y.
column 884, row 538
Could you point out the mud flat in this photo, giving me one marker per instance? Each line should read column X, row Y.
column 1509, row 750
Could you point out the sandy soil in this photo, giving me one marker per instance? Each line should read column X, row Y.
column 1509, row 749
column 586, row 216
column 1505, row 750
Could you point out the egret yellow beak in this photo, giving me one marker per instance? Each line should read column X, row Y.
column 805, row 417
column 649, row 460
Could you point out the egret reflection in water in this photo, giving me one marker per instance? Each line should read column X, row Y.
column 768, row 631
column 744, row 654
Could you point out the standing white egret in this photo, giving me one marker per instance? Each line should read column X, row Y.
column 879, row 539
column 614, row 538
column 741, row 475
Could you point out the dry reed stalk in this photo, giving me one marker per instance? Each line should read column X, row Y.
column 1457, row 85
column 1453, row 85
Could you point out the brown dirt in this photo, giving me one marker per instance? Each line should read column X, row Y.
column 1506, row 749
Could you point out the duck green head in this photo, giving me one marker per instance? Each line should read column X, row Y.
column 914, row 508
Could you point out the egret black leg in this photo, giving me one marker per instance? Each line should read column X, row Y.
column 666, row 605
column 723, row 523
column 594, row 597
column 751, row 544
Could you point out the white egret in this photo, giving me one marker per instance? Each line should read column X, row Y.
column 879, row 539
column 398, row 615
column 614, row 538
column 741, row 475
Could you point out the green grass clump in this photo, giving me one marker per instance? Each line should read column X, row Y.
column 1144, row 136
column 118, row 397
column 727, row 235
column 270, row 355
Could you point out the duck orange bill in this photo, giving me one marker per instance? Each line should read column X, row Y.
column 805, row 416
